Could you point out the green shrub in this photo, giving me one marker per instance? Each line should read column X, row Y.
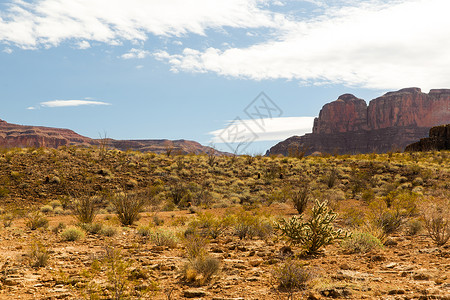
column 58, row 210
column 55, row 203
column 72, row 233
column 361, row 242
column 36, row 220
column 315, row 233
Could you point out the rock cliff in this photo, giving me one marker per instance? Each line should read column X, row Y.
column 392, row 121
column 439, row 140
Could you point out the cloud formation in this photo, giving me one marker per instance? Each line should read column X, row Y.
column 380, row 44
column 67, row 103
column 275, row 129
column 50, row 22
column 374, row 44
column 136, row 53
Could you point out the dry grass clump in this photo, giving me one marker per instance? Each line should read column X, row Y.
column 38, row 255
column 437, row 223
column 361, row 242
column 36, row 220
column 72, row 233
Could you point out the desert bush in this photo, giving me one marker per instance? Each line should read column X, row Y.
column 360, row 242
column 414, row 226
column 46, row 209
column 128, row 207
column 206, row 224
column 144, row 230
column 55, row 203
column 36, row 220
column 389, row 221
column 331, row 178
column 195, row 245
column 164, row 238
column 85, row 209
column 72, row 233
column 7, row 219
column 315, row 233
column 108, row 231
column 91, row 228
column 300, row 198
column 58, row 210
column 291, row 276
column 201, row 269
column 437, row 224
column 38, row 255
column 57, row 229
column 118, row 273
column 248, row 226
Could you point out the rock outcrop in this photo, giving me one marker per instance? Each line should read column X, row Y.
column 439, row 140
column 13, row 135
column 392, row 121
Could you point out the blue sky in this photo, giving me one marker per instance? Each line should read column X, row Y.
column 176, row 69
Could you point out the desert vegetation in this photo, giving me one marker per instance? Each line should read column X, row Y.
column 87, row 223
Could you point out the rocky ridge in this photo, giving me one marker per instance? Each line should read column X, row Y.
column 13, row 135
column 392, row 121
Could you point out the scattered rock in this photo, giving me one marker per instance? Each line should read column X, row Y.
column 194, row 293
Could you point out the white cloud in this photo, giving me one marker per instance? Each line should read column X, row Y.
column 8, row 50
column 68, row 103
column 139, row 67
column 373, row 44
column 136, row 53
column 50, row 22
column 275, row 129
column 31, row 107
column 84, row 45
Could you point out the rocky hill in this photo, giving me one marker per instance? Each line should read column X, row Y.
column 392, row 121
column 439, row 140
column 13, row 135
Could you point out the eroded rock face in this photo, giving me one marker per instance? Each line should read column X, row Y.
column 439, row 140
column 389, row 122
column 347, row 113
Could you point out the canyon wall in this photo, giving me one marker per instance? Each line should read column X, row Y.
column 390, row 122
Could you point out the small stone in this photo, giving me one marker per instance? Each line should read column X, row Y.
column 390, row 265
column 194, row 293
column 421, row 276
column 396, row 292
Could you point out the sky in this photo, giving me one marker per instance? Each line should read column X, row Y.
column 241, row 75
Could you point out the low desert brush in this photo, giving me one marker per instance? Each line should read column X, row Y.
column 36, row 220
column 291, row 276
column 38, row 255
column 72, row 233
column 361, row 242
column 437, row 223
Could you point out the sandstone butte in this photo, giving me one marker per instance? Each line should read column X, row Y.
column 390, row 122
column 13, row 135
